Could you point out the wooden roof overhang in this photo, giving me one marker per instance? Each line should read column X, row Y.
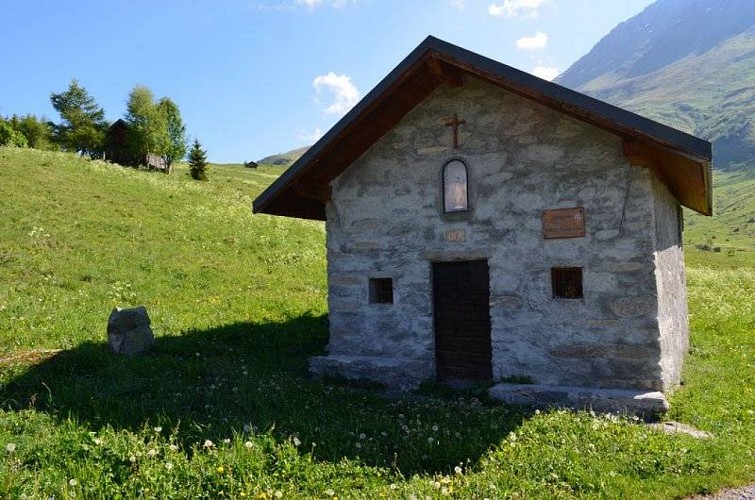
column 680, row 160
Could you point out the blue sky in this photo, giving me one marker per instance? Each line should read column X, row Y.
column 258, row 77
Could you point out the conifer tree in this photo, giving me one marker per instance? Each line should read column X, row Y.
column 198, row 162
column 83, row 124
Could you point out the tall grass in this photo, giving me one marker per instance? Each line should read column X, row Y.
column 223, row 406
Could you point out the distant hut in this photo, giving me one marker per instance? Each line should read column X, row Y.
column 118, row 151
column 155, row 162
column 116, row 144
column 250, row 164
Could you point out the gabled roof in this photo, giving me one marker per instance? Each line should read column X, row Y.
column 680, row 160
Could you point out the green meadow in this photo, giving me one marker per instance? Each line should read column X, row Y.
column 222, row 406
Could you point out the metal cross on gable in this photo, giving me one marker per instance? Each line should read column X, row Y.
column 455, row 124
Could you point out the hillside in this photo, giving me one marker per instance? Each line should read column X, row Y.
column 686, row 63
column 284, row 159
column 222, row 406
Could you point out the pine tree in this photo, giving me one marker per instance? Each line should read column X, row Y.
column 83, row 124
column 198, row 162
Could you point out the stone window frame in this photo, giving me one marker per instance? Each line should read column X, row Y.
column 567, row 283
column 380, row 290
column 467, row 209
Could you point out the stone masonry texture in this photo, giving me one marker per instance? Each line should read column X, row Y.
column 386, row 220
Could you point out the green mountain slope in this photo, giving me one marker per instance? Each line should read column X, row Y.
column 81, row 237
column 284, row 159
column 686, row 63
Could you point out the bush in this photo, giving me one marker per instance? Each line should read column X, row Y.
column 11, row 137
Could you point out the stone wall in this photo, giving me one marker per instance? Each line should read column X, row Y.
column 386, row 220
column 671, row 285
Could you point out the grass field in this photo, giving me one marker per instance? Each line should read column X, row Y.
column 222, row 406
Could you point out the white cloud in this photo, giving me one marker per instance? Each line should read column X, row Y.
column 516, row 8
column 536, row 42
column 344, row 93
column 457, row 4
column 545, row 72
column 310, row 137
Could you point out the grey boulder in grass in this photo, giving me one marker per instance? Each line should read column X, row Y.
column 129, row 331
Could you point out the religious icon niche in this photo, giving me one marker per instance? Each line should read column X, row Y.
column 455, row 187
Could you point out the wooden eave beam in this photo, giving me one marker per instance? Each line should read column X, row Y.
column 312, row 191
column 688, row 179
column 445, row 73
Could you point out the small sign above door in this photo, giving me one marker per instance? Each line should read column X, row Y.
column 564, row 223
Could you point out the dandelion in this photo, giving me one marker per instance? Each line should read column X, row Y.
column 208, row 444
column 168, row 465
column 158, row 429
column 278, row 494
column 359, row 445
column 97, row 441
column 362, row 435
column 220, row 469
column 457, row 469
column 249, row 445
column 132, row 459
column 537, row 412
column 227, row 441
column 152, row 453
column 329, row 492
column 435, row 427
column 10, row 447
column 296, row 441
column 72, row 482
column 173, row 447
column 430, row 440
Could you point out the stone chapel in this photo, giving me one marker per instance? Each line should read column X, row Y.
column 486, row 225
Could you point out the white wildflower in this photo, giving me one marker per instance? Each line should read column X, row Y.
column 10, row 447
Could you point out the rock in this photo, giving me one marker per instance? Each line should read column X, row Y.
column 128, row 331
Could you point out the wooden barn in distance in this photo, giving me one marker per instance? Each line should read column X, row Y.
column 117, row 149
column 484, row 224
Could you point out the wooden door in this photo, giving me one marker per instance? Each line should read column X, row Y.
column 461, row 303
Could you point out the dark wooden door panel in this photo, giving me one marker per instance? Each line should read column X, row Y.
column 461, row 297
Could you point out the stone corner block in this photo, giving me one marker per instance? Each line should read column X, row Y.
column 129, row 331
column 395, row 373
column 634, row 402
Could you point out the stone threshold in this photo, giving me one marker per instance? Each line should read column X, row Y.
column 629, row 401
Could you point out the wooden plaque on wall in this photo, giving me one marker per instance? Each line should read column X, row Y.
column 564, row 223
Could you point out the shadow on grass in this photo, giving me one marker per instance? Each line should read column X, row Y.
column 247, row 377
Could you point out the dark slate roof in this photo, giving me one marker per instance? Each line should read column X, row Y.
column 680, row 160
